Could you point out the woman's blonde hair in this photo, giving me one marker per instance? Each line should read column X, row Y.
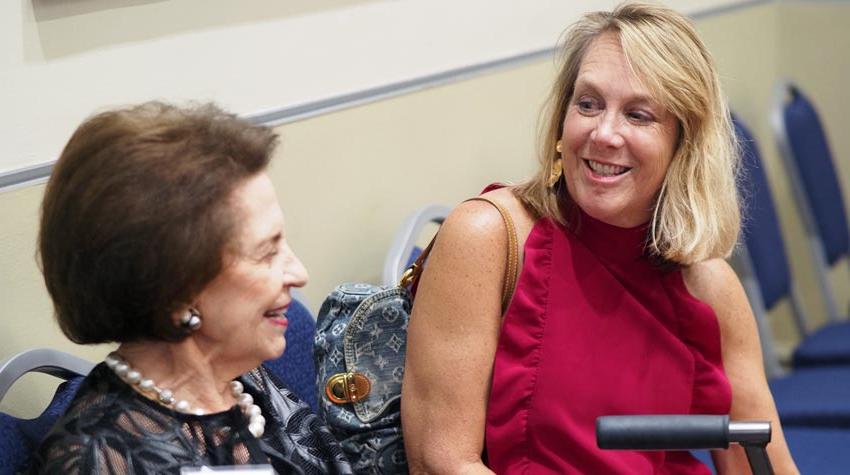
column 696, row 215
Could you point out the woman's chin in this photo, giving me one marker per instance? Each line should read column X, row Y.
column 615, row 214
column 268, row 350
column 276, row 351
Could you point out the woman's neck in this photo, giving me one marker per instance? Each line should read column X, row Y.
column 183, row 368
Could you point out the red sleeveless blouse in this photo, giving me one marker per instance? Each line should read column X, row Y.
column 594, row 328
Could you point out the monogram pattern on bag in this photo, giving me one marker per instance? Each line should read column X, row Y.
column 363, row 328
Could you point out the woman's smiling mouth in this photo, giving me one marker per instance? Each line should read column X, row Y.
column 605, row 170
column 277, row 316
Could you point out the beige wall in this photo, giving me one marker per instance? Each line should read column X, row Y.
column 347, row 179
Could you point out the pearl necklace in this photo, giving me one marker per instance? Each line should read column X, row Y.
column 256, row 421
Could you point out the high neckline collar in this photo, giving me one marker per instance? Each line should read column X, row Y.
column 610, row 242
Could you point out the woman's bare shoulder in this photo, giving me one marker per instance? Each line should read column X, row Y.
column 714, row 282
column 475, row 223
column 508, row 199
column 710, row 279
column 470, row 228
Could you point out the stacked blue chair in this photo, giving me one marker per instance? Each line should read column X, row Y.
column 766, row 275
column 20, row 437
column 813, row 402
column 803, row 145
column 818, row 450
column 296, row 367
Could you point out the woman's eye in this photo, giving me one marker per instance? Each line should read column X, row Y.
column 586, row 105
column 640, row 117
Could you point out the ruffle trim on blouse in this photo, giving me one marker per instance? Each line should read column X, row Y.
column 520, row 343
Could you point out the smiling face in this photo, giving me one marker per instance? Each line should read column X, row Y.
column 617, row 140
column 243, row 308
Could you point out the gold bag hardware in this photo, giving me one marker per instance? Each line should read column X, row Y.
column 347, row 387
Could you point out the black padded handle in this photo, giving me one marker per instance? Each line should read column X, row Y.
column 662, row 432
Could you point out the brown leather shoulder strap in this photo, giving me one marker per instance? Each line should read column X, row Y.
column 411, row 275
column 512, row 265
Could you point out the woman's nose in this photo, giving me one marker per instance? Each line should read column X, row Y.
column 295, row 274
column 607, row 132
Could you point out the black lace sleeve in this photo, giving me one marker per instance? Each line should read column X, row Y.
column 74, row 453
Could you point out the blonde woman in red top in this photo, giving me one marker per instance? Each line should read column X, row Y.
column 624, row 304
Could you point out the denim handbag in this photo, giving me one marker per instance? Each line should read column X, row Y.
column 359, row 347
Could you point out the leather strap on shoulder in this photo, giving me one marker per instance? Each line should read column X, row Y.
column 411, row 275
column 512, row 264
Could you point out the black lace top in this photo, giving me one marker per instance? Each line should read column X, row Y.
column 110, row 428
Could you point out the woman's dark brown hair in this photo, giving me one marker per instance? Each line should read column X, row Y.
column 136, row 218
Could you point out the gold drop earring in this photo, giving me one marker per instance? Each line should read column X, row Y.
column 557, row 168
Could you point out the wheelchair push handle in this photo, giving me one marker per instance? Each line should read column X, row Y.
column 662, row 432
column 686, row 432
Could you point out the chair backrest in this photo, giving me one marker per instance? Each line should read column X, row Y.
column 803, row 145
column 762, row 261
column 296, row 366
column 41, row 360
column 403, row 249
column 762, row 234
column 20, row 437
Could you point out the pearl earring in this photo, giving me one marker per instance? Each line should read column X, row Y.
column 191, row 319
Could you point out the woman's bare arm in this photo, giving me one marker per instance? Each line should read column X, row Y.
column 452, row 338
column 715, row 283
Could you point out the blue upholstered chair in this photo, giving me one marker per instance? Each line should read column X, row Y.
column 296, row 366
column 803, row 146
column 762, row 261
column 20, row 437
column 403, row 249
column 815, row 450
column 811, row 396
column 820, row 451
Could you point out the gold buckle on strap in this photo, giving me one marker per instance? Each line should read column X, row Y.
column 408, row 275
column 347, row 387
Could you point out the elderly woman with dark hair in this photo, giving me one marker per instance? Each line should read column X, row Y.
column 161, row 231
